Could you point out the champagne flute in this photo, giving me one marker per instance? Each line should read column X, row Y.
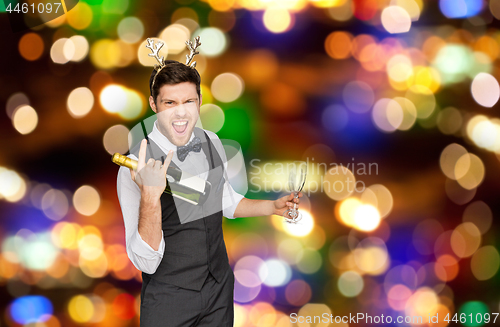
column 296, row 181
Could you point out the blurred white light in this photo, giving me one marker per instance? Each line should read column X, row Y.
column 275, row 273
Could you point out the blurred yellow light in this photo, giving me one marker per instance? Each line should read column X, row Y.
column 309, row 261
column 396, row 19
column 68, row 236
column 478, row 213
column 383, row 198
column 465, row 240
column 211, row 117
column 469, row 171
column 227, row 87
column 371, row 256
column 105, row 54
column 80, row 308
column 60, row 53
column 346, row 209
column 410, row 6
column 387, row 115
column 339, row 183
column 91, row 247
column 449, row 120
column 399, row 68
column 19, row 194
column 86, row 200
column 80, row 16
column 221, row 5
column 277, row 20
column 409, row 113
column 423, row 99
column 130, row 29
column 94, row 268
column 486, row 134
column 327, row 3
column 240, row 315
column 485, row 262
column 175, row 35
column 428, row 77
column 80, row 102
column 10, row 182
column 127, row 53
column 116, row 139
column 311, row 310
column 81, row 47
column 449, row 158
column 342, row 12
column 366, row 218
column 113, row 98
column 423, row 301
column 25, row 119
column 288, row 249
column 134, row 105
column 302, row 228
column 350, row 284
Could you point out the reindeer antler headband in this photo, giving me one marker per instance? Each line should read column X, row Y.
column 161, row 62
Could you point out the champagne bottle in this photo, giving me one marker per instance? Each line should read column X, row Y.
column 180, row 184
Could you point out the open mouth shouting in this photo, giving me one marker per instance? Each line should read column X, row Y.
column 180, row 126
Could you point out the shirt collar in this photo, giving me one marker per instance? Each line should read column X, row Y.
column 162, row 140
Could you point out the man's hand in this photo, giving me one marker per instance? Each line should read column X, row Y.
column 151, row 177
column 286, row 202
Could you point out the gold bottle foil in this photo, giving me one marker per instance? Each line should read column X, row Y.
column 125, row 161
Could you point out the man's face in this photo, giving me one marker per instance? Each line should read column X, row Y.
column 177, row 108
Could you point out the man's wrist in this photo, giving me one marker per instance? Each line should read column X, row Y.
column 273, row 209
column 149, row 198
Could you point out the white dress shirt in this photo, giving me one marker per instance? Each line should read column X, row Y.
column 142, row 255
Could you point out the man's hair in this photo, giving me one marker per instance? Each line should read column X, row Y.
column 175, row 73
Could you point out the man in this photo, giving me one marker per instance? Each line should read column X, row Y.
column 187, row 279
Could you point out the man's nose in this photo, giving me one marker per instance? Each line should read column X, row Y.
column 180, row 110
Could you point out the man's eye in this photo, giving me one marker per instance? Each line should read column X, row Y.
column 168, row 102
column 190, row 101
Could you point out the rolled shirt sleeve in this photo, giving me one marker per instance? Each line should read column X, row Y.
column 142, row 255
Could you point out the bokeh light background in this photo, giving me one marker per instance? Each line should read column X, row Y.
column 407, row 88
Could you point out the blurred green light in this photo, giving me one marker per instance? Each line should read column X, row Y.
column 476, row 313
column 94, row 2
column 236, row 127
column 114, row 6
column 453, row 62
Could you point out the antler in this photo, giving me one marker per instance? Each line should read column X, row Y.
column 156, row 51
column 193, row 52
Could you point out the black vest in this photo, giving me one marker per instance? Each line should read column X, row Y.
column 194, row 248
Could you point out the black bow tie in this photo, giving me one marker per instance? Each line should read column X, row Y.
column 183, row 151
